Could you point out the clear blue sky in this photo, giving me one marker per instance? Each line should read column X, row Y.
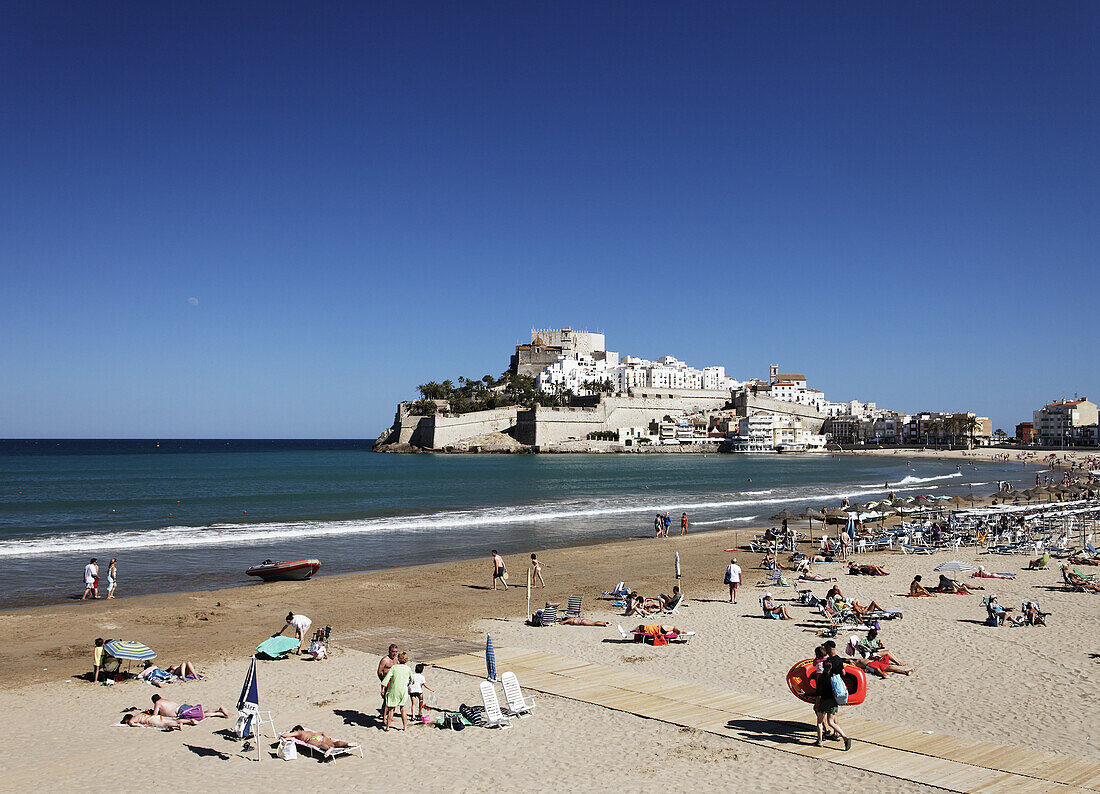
column 276, row 219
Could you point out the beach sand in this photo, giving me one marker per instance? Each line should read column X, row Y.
column 1026, row 687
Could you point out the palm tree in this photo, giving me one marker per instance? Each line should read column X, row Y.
column 970, row 425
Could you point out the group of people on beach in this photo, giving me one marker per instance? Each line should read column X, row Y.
column 400, row 684
column 663, row 523
column 91, row 578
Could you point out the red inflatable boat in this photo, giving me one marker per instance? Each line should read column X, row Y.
column 273, row 571
column 803, row 683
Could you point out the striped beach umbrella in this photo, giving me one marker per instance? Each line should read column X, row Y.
column 130, row 650
column 490, row 659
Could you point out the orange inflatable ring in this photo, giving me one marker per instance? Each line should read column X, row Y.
column 803, row 683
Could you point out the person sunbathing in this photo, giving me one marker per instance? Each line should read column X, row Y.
column 982, row 573
column 862, row 611
column 1076, row 580
column 773, row 610
column 637, row 605
column 949, row 585
column 313, row 738
column 185, row 670
column 667, row 601
column 583, row 622
column 654, row 629
column 866, row 570
column 1080, row 559
column 166, row 708
column 1032, row 615
column 151, row 674
column 1038, row 563
column 770, row 563
column 145, row 720
column 917, row 590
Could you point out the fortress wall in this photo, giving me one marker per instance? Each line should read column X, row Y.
column 449, row 430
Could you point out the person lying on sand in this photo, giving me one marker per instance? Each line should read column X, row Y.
column 773, row 610
column 144, row 720
column 313, row 738
column 949, row 585
column 807, row 576
column 982, row 573
column 583, row 622
column 1080, row 559
column 866, row 570
column 166, row 708
column 917, row 590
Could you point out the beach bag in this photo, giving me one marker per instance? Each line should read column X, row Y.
column 840, row 691
column 243, row 728
column 288, row 751
column 728, row 579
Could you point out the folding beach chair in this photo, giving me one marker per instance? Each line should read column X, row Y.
column 573, row 606
column 547, row 616
column 493, row 716
column 518, row 705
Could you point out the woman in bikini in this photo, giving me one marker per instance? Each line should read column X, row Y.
column 313, row 738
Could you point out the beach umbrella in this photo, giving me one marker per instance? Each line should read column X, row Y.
column 810, row 514
column 958, row 501
column 677, row 567
column 954, row 566
column 784, row 515
column 248, row 704
column 130, row 650
column 971, row 497
column 490, row 659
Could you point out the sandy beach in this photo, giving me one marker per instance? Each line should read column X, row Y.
column 1031, row 688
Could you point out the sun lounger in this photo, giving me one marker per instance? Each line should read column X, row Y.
column 493, row 716
column 1088, row 577
column 334, row 752
column 619, row 590
column 547, row 616
column 909, row 548
column 641, row 636
column 518, row 705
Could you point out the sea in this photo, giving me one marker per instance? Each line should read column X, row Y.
column 183, row 515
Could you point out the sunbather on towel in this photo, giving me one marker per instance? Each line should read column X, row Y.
column 773, row 610
column 313, row 738
column 166, row 708
column 144, row 720
column 154, row 675
column 1080, row 559
column 949, row 585
column 808, row 576
column 982, row 573
column 917, row 590
column 866, row 569
column 583, row 622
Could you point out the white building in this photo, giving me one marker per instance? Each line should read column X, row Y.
column 631, row 372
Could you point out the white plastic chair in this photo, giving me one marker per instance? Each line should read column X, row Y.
column 518, row 705
column 493, row 716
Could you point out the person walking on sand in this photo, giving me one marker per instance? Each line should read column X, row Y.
column 536, row 570
column 733, row 579
column 825, row 708
column 668, row 523
column 395, row 691
column 684, row 524
column 499, row 570
column 384, row 665
column 91, row 579
column 112, row 578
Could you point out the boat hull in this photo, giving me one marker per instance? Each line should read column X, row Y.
column 296, row 571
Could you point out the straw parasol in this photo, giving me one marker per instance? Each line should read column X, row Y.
column 811, row 515
column 784, row 515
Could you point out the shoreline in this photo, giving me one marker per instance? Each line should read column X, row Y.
column 180, row 623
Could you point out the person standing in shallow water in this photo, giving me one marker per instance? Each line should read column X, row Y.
column 91, row 579
column 112, row 578
column 684, row 524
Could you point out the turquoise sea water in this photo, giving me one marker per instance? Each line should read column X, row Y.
column 190, row 515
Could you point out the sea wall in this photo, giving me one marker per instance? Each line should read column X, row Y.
column 542, row 427
column 747, row 403
column 438, row 431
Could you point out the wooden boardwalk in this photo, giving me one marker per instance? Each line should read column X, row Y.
column 935, row 759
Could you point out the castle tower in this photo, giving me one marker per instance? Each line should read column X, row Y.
column 773, row 373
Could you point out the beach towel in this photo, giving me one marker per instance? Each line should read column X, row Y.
column 277, row 647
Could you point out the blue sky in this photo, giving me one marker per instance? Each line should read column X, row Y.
column 276, row 219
